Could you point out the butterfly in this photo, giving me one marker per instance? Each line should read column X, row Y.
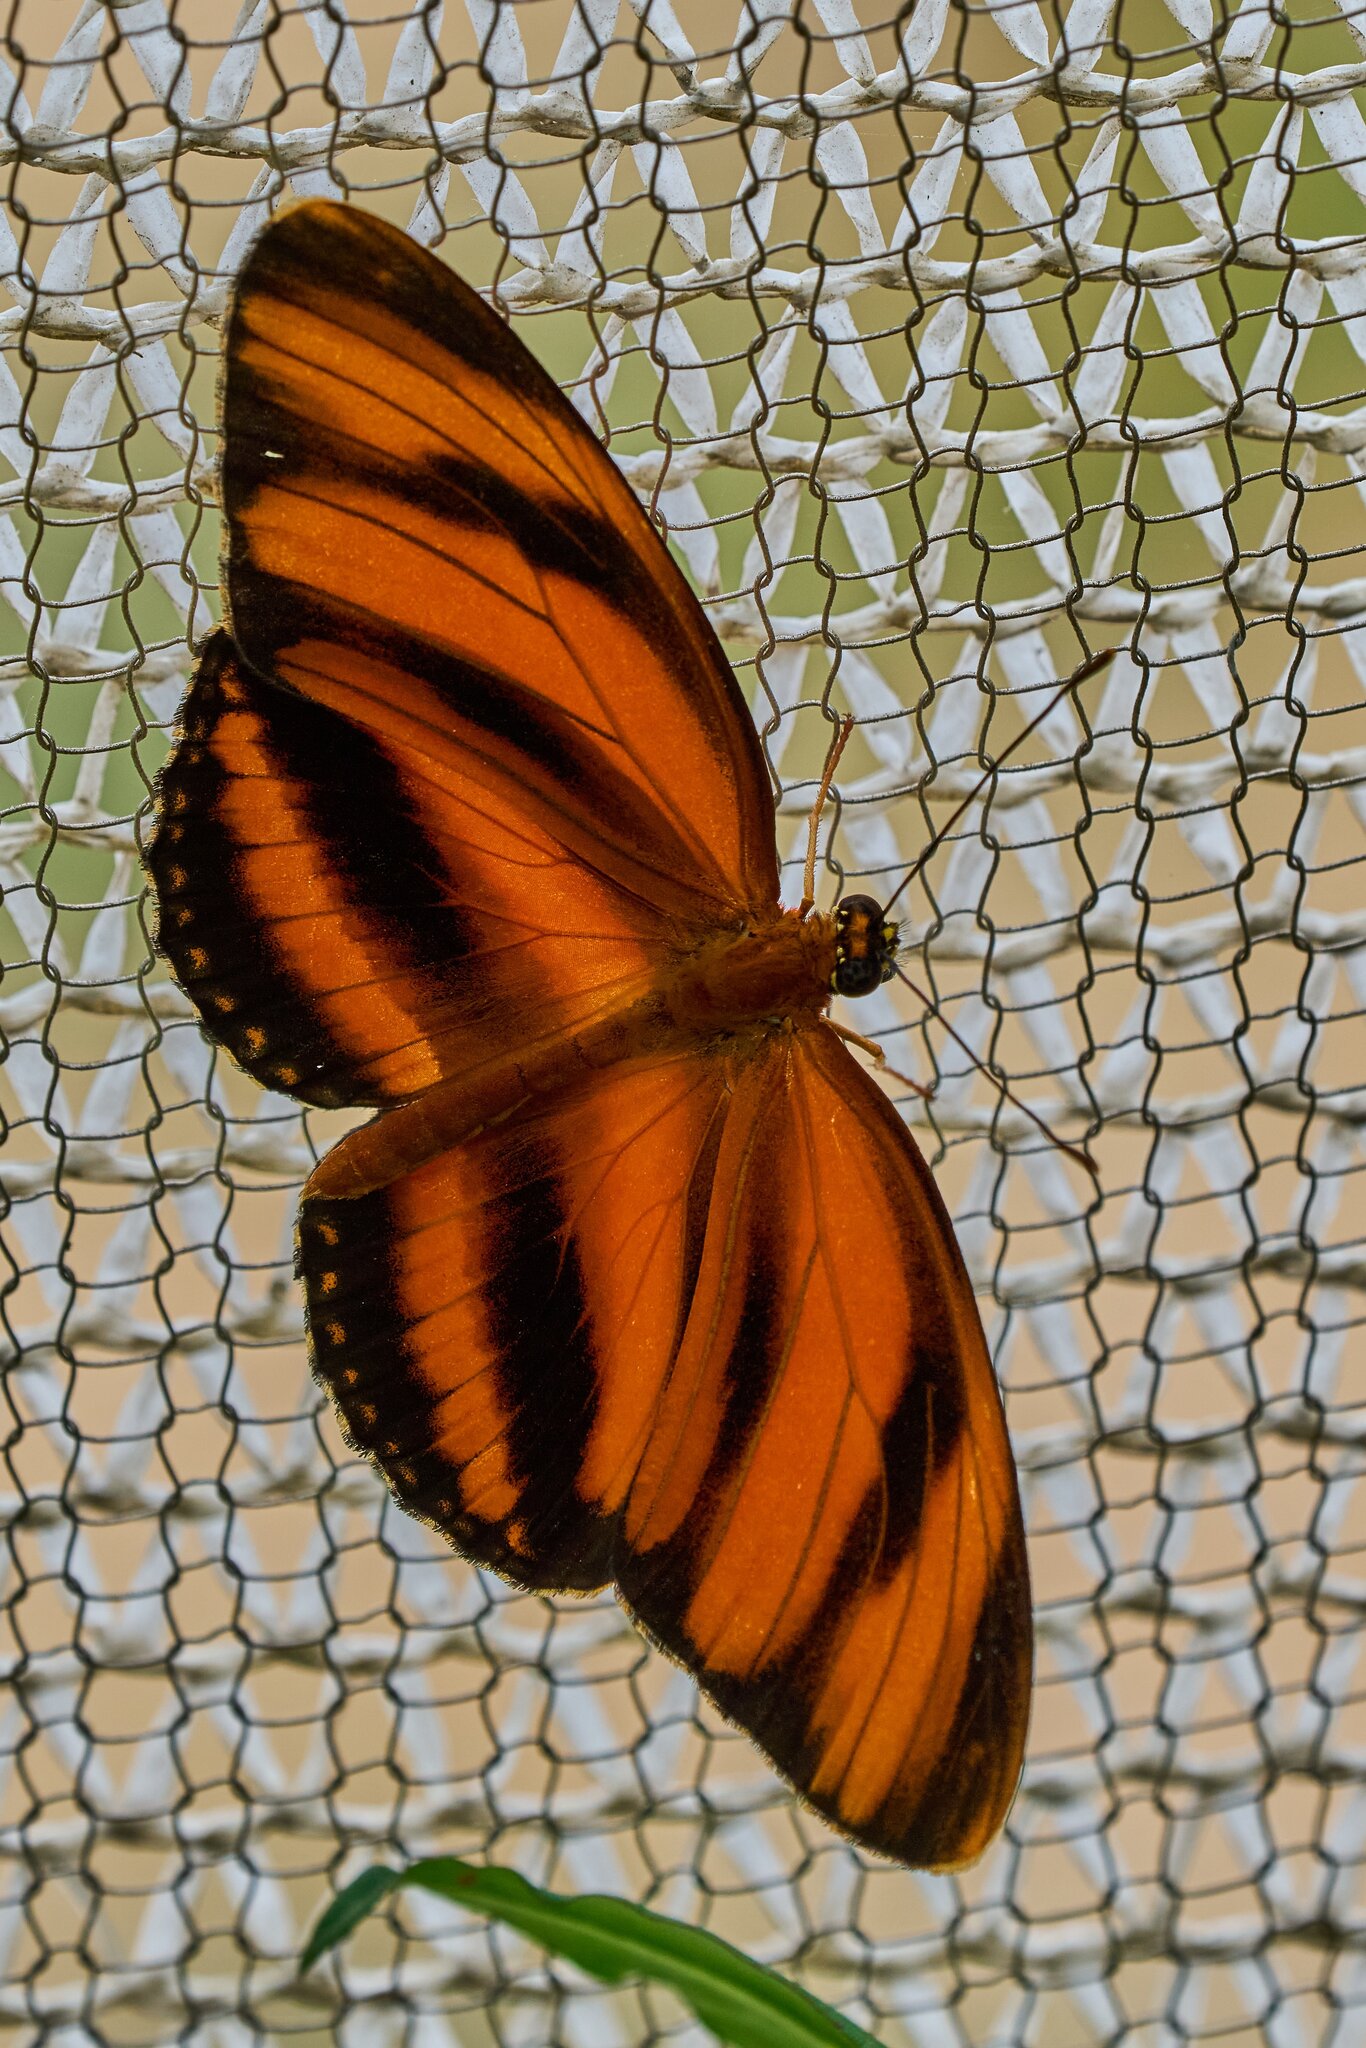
column 636, row 1278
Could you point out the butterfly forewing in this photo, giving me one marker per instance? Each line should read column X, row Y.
column 403, row 482
column 463, row 782
column 440, row 573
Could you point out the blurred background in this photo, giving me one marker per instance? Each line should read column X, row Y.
column 945, row 344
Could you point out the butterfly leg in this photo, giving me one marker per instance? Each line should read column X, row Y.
column 879, row 1059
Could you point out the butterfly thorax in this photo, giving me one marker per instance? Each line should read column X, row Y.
column 780, row 968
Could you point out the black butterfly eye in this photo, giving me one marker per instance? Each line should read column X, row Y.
column 865, row 947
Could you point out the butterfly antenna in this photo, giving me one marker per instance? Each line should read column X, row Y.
column 1078, row 676
column 832, row 762
column 1078, row 1153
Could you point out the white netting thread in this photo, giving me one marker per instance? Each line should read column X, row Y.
column 943, row 344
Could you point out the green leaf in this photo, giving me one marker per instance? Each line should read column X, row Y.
column 348, row 1909
column 744, row 2004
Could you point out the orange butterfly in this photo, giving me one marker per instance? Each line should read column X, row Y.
column 637, row 1277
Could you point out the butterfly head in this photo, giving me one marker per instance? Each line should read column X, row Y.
column 865, row 947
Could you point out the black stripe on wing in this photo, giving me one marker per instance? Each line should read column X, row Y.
column 535, row 1355
column 334, row 787
column 271, row 441
column 566, row 759
column 494, row 719
column 373, row 263
column 980, row 1766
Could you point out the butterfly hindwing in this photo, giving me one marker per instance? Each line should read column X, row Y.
column 495, row 1327
column 355, row 919
column 701, row 1328
column 324, row 958
column 825, row 1524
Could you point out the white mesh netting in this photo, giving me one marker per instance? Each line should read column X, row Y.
column 944, row 345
